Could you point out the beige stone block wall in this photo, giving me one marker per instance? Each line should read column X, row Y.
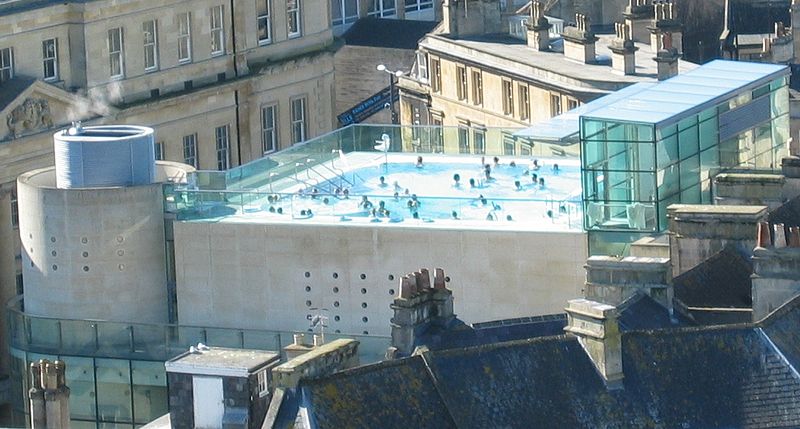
column 254, row 275
column 24, row 32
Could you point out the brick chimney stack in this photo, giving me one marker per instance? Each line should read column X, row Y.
column 538, row 28
column 49, row 395
column 579, row 41
column 419, row 306
column 623, row 51
column 776, row 268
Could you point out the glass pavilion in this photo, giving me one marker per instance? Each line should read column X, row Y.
column 651, row 145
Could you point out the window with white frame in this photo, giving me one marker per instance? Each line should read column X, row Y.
column 263, row 383
column 479, row 136
column 184, row 37
column 382, row 8
column 264, row 21
column 344, row 11
column 6, row 64
column 190, row 150
column 269, row 130
column 298, row 120
column 217, row 31
column 150, row 41
column 116, row 68
column 415, row 5
column 422, row 66
column 159, row 151
column 50, row 59
column 223, row 147
column 294, row 18
column 508, row 97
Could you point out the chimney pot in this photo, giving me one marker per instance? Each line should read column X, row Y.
column 794, row 236
column 425, row 278
column 317, row 340
column 439, row 279
column 299, row 339
column 779, row 236
column 764, row 240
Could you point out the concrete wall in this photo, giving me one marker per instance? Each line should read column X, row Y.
column 269, row 276
column 92, row 253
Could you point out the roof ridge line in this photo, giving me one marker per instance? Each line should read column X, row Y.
column 778, row 351
column 435, row 383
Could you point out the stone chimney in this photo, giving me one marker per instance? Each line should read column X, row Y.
column 667, row 59
column 665, row 22
column 472, row 17
column 298, row 346
column 776, row 268
column 419, row 306
column 611, row 280
column 49, row 395
column 623, row 51
column 749, row 189
column 790, row 168
column 639, row 18
column 579, row 41
column 597, row 329
column 538, row 28
column 328, row 358
column 697, row 232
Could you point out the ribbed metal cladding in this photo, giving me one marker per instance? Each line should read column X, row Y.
column 104, row 156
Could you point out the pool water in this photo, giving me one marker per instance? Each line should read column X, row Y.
column 428, row 192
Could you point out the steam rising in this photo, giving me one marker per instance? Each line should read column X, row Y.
column 98, row 101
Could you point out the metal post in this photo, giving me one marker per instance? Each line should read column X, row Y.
column 391, row 99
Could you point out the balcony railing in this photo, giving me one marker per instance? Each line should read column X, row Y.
column 147, row 341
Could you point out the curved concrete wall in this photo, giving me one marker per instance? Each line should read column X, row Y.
column 92, row 253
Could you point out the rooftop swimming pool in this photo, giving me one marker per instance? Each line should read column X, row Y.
column 374, row 187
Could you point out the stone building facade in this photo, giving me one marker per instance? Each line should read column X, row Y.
column 221, row 82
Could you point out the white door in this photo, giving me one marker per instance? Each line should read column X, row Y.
column 208, row 402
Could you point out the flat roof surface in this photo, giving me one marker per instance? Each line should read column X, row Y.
column 220, row 361
column 687, row 93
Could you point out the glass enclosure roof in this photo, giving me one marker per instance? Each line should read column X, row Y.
column 673, row 99
column 564, row 128
column 662, row 103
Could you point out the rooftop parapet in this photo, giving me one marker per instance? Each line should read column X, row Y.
column 697, row 231
column 776, row 267
column 612, row 280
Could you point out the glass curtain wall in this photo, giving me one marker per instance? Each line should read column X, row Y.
column 633, row 171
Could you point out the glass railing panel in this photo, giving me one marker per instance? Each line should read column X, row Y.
column 79, row 337
column 231, row 338
column 263, row 340
column 150, row 340
column 44, row 334
column 114, row 339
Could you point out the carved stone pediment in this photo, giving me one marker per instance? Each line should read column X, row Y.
column 31, row 115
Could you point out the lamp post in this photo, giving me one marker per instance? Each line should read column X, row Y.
column 392, row 75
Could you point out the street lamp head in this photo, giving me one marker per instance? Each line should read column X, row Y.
column 398, row 73
column 381, row 67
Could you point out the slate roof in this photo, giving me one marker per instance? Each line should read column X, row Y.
column 723, row 280
column 788, row 213
column 12, row 88
column 388, row 33
column 758, row 16
column 642, row 312
column 698, row 377
column 462, row 335
column 393, row 394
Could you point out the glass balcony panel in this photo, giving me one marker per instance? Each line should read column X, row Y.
column 113, row 391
